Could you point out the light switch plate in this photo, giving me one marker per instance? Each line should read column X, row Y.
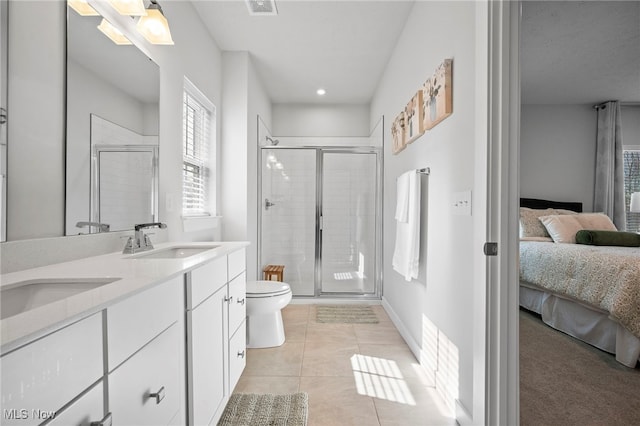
column 461, row 203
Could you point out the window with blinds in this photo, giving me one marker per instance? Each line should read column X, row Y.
column 196, row 162
column 631, row 161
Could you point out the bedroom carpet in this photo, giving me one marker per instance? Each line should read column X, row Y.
column 566, row 382
column 266, row 410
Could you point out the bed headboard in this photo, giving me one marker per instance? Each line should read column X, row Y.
column 535, row 203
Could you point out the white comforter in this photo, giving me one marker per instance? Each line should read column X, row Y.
column 604, row 277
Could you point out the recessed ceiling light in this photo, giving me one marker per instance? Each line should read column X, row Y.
column 321, row 92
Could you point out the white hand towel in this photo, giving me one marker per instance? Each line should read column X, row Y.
column 406, row 256
column 402, row 201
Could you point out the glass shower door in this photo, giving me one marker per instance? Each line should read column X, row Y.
column 349, row 183
column 288, row 225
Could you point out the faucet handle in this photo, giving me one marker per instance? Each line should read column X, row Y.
column 130, row 246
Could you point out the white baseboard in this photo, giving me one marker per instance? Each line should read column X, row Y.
column 395, row 319
column 462, row 415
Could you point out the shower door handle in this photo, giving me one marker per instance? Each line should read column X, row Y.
column 268, row 204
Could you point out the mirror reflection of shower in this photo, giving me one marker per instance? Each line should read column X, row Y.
column 272, row 141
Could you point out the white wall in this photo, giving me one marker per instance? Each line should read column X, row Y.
column 631, row 125
column 243, row 100
column 321, row 120
column 558, row 152
column 435, row 312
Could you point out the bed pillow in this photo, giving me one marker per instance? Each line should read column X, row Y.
column 596, row 221
column 538, row 239
column 608, row 238
column 562, row 228
column 530, row 226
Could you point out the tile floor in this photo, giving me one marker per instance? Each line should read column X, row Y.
column 355, row 374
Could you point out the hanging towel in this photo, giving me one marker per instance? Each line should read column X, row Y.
column 406, row 256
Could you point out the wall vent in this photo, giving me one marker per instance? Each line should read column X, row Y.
column 262, row 7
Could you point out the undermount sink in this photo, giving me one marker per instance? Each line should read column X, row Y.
column 30, row 294
column 176, row 252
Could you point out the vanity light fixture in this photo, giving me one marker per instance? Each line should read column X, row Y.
column 154, row 26
column 113, row 33
column 129, row 7
column 82, row 7
column 321, row 92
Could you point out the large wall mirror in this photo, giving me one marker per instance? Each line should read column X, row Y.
column 111, row 131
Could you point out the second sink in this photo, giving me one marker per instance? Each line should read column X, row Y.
column 176, row 252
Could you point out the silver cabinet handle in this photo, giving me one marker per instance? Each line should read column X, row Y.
column 106, row 421
column 159, row 396
column 240, row 354
column 241, row 301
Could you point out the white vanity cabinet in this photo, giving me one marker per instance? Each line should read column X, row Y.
column 42, row 377
column 143, row 356
column 214, row 306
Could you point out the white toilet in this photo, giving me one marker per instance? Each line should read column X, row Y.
column 265, row 300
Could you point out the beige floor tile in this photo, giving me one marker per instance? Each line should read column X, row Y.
column 378, row 334
column 295, row 312
column 334, row 401
column 267, row 384
column 393, row 360
column 412, row 404
column 285, row 360
column 382, row 315
column 295, row 331
column 339, row 333
column 328, row 359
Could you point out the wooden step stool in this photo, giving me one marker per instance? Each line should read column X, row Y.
column 273, row 273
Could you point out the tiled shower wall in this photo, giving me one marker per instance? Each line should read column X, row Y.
column 288, row 227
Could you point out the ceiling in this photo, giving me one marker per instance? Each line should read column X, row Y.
column 571, row 51
column 580, row 52
column 341, row 46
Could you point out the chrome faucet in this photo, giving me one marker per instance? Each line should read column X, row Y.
column 102, row 227
column 140, row 241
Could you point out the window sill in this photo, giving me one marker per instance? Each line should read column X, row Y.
column 200, row 223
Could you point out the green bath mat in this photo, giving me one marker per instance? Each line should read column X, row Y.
column 248, row 409
column 347, row 314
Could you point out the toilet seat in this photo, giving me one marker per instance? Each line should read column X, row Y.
column 262, row 289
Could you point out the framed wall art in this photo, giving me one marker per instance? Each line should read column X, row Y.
column 437, row 95
column 414, row 117
column 398, row 133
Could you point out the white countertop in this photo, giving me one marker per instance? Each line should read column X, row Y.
column 135, row 274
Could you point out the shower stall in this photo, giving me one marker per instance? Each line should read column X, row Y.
column 320, row 214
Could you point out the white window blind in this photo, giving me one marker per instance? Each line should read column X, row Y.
column 196, row 170
column 631, row 184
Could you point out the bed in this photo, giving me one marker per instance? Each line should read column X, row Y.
column 589, row 292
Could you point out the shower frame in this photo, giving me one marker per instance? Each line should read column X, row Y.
column 320, row 151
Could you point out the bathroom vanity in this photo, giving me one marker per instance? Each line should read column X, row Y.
column 148, row 339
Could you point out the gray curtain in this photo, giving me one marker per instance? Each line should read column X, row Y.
column 609, row 189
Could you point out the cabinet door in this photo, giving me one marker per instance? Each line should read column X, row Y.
column 205, row 358
column 237, row 302
column 87, row 409
column 41, row 377
column 145, row 390
column 206, row 280
column 237, row 356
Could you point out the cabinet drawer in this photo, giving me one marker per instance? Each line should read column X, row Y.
column 135, row 321
column 237, row 355
column 206, row 280
column 88, row 408
column 237, row 302
column 43, row 376
column 237, row 263
column 153, row 369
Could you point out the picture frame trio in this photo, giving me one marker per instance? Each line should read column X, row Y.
column 431, row 104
